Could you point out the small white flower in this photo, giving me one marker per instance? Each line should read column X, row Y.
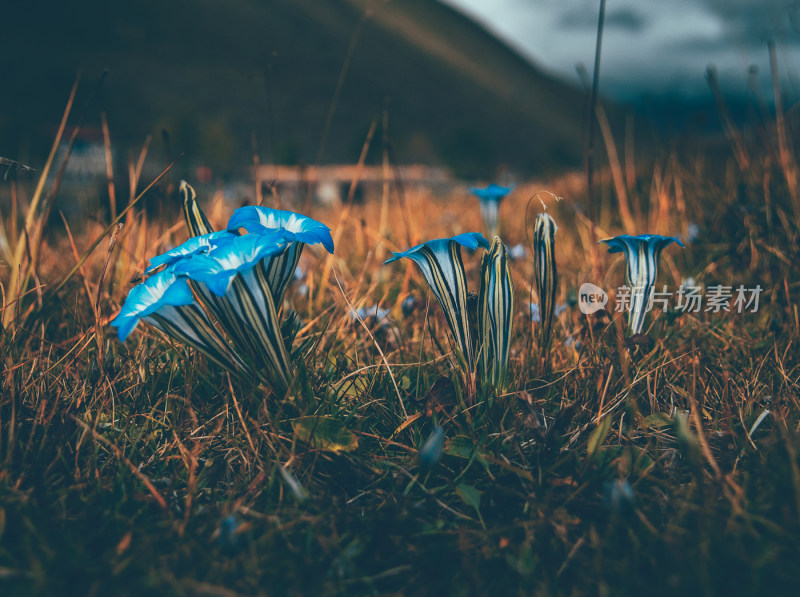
column 375, row 313
column 518, row 251
column 534, row 312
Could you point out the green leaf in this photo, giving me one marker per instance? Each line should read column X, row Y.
column 470, row 495
column 657, row 420
column 626, row 459
column 687, row 440
column 459, row 446
column 354, row 387
column 325, row 433
column 597, row 437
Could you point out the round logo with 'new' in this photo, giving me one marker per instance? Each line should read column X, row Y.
column 591, row 298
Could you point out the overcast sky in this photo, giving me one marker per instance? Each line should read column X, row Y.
column 652, row 46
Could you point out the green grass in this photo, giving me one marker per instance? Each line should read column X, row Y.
column 144, row 469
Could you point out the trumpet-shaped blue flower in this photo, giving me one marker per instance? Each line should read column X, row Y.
column 470, row 240
column 490, row 198
column 193, row 246
column 298, row 227
column 440, row 262
column 226, row 256
column 231, row 280
column 165, row 301
column 641, row 259
column 158, row 291
column 492, row 192
column 237, row 280
column 299, row 230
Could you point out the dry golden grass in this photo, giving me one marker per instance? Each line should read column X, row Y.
column 623, row 469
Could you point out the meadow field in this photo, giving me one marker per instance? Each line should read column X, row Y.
column 661, row 464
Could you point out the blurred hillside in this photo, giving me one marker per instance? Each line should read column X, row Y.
column 213, row 75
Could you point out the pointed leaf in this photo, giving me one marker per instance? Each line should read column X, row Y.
column 597, row 437
column 196, row 220
column 470, row 495
column 325, row 433
column 657, row 420
column 460, row 446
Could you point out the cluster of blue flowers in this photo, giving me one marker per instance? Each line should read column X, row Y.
column 222, row 292
column 483, row 354
column 237, row 280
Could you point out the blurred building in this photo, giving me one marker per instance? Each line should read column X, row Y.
column 330, row 184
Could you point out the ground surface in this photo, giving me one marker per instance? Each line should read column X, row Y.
column 619, row 469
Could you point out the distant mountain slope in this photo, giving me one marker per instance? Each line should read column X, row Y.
column 213, row 73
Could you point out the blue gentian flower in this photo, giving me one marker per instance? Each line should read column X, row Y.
column 440, row 262
column 490, row 198
column 228, row 256
column 641, row 259
column 299, row 230
column 165, row 301
column 492, row 192
column 495, row 314
column 158, row 291
column 470, row 240
column 544, row 241
column 239, row 280
column 232, row 282
column 193, row 246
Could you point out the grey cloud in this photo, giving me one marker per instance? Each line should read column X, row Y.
column 624, row 18
column 759, row 20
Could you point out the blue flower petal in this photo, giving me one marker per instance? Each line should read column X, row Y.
column 641, row 267
column 299, row 227
column 625, row 242
column 126, row 325
column 159, row 290
column 440, row 262
column 230, row 255
column 196, row 244
column 470, row 240
column 491, row 193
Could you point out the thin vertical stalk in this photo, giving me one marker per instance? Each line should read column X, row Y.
column 784, row 149
column 112, row 193
column 589, row 153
